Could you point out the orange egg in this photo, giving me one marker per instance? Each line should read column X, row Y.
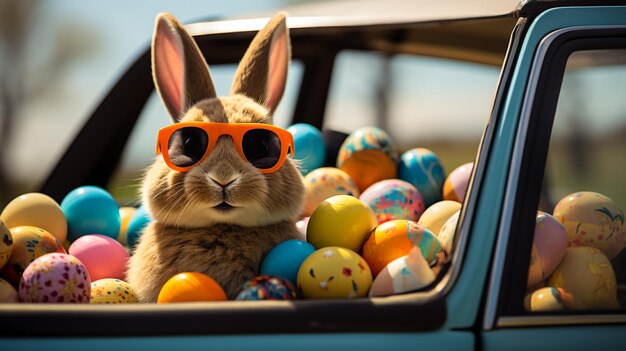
column 191, row 286
column 395, row 239
column 455, row 186
column 368, row 167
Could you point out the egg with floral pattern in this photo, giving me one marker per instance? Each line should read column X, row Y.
column 267, row 287
column 588, row 275
column 334, row 273
column 55, row 278
column 592, row 219
column 29, row 243
column 324, row 183
column 112, row 291
column 394, row 199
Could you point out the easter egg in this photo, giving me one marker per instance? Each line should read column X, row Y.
column 285, row 259
column 301, row 225
column 366, row 138
column 309, row 146
column 55, row 278
column 592, row 219
column 326, row 182
column 191, row 286
column 137, row 223
column 587, row 274
column 8, row 294
column 91, row 210
column 126, row 213
column 549, row 245
column 341, row 220
column 29, row 243
column 395, row 239
column 36, row 210
column 394, row 199
column 6, row 244
column 422, row 168
column 103, row 256
column 455, row 186
column 368, row 156
column 112, row 291
column 368, row 167
column 548, row 299
column 332, row 273
column 267, row 287
column 437, row 214
column 406, row 273
column 447, row 232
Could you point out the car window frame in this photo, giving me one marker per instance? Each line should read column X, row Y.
column 526, row 178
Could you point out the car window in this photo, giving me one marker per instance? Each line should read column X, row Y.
column 140, row 148
column 577, row 260
column 419, row 101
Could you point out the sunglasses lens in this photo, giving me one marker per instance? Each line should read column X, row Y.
column 261, row 148
column 186, row 146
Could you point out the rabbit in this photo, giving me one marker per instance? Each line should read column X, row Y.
column 189, row 231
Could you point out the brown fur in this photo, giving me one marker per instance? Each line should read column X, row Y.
column 188, row 233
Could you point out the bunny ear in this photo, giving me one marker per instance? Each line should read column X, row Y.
column 262, row 73
column 180, row 73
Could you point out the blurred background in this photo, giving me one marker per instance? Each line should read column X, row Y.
column 59, row 58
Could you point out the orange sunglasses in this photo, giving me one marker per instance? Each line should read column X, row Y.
column 187, row 144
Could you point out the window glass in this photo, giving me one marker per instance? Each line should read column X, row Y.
column 140, row 147
column 433, row 103
column 578, row 260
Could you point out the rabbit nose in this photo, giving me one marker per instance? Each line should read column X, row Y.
column 222, row 183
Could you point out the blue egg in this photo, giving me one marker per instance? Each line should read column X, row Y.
column 138, row 221
column 309, row 145
column 90, row 210
column 285, row 259
column 422, row 168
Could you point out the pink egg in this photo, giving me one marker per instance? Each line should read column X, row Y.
column 392, row 199
column 103, row 256
column 55, row 278
column 549, row 246
column 455, row 186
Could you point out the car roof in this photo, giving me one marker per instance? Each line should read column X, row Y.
column 476, row 31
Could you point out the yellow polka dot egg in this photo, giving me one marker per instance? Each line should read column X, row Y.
column 334, row 273
column 112, row 291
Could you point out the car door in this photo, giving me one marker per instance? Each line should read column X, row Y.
column 566, row 111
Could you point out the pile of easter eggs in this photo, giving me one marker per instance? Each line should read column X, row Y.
column 67, row 253
column 372, row 225
column 377, row 224
column 570, row 265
